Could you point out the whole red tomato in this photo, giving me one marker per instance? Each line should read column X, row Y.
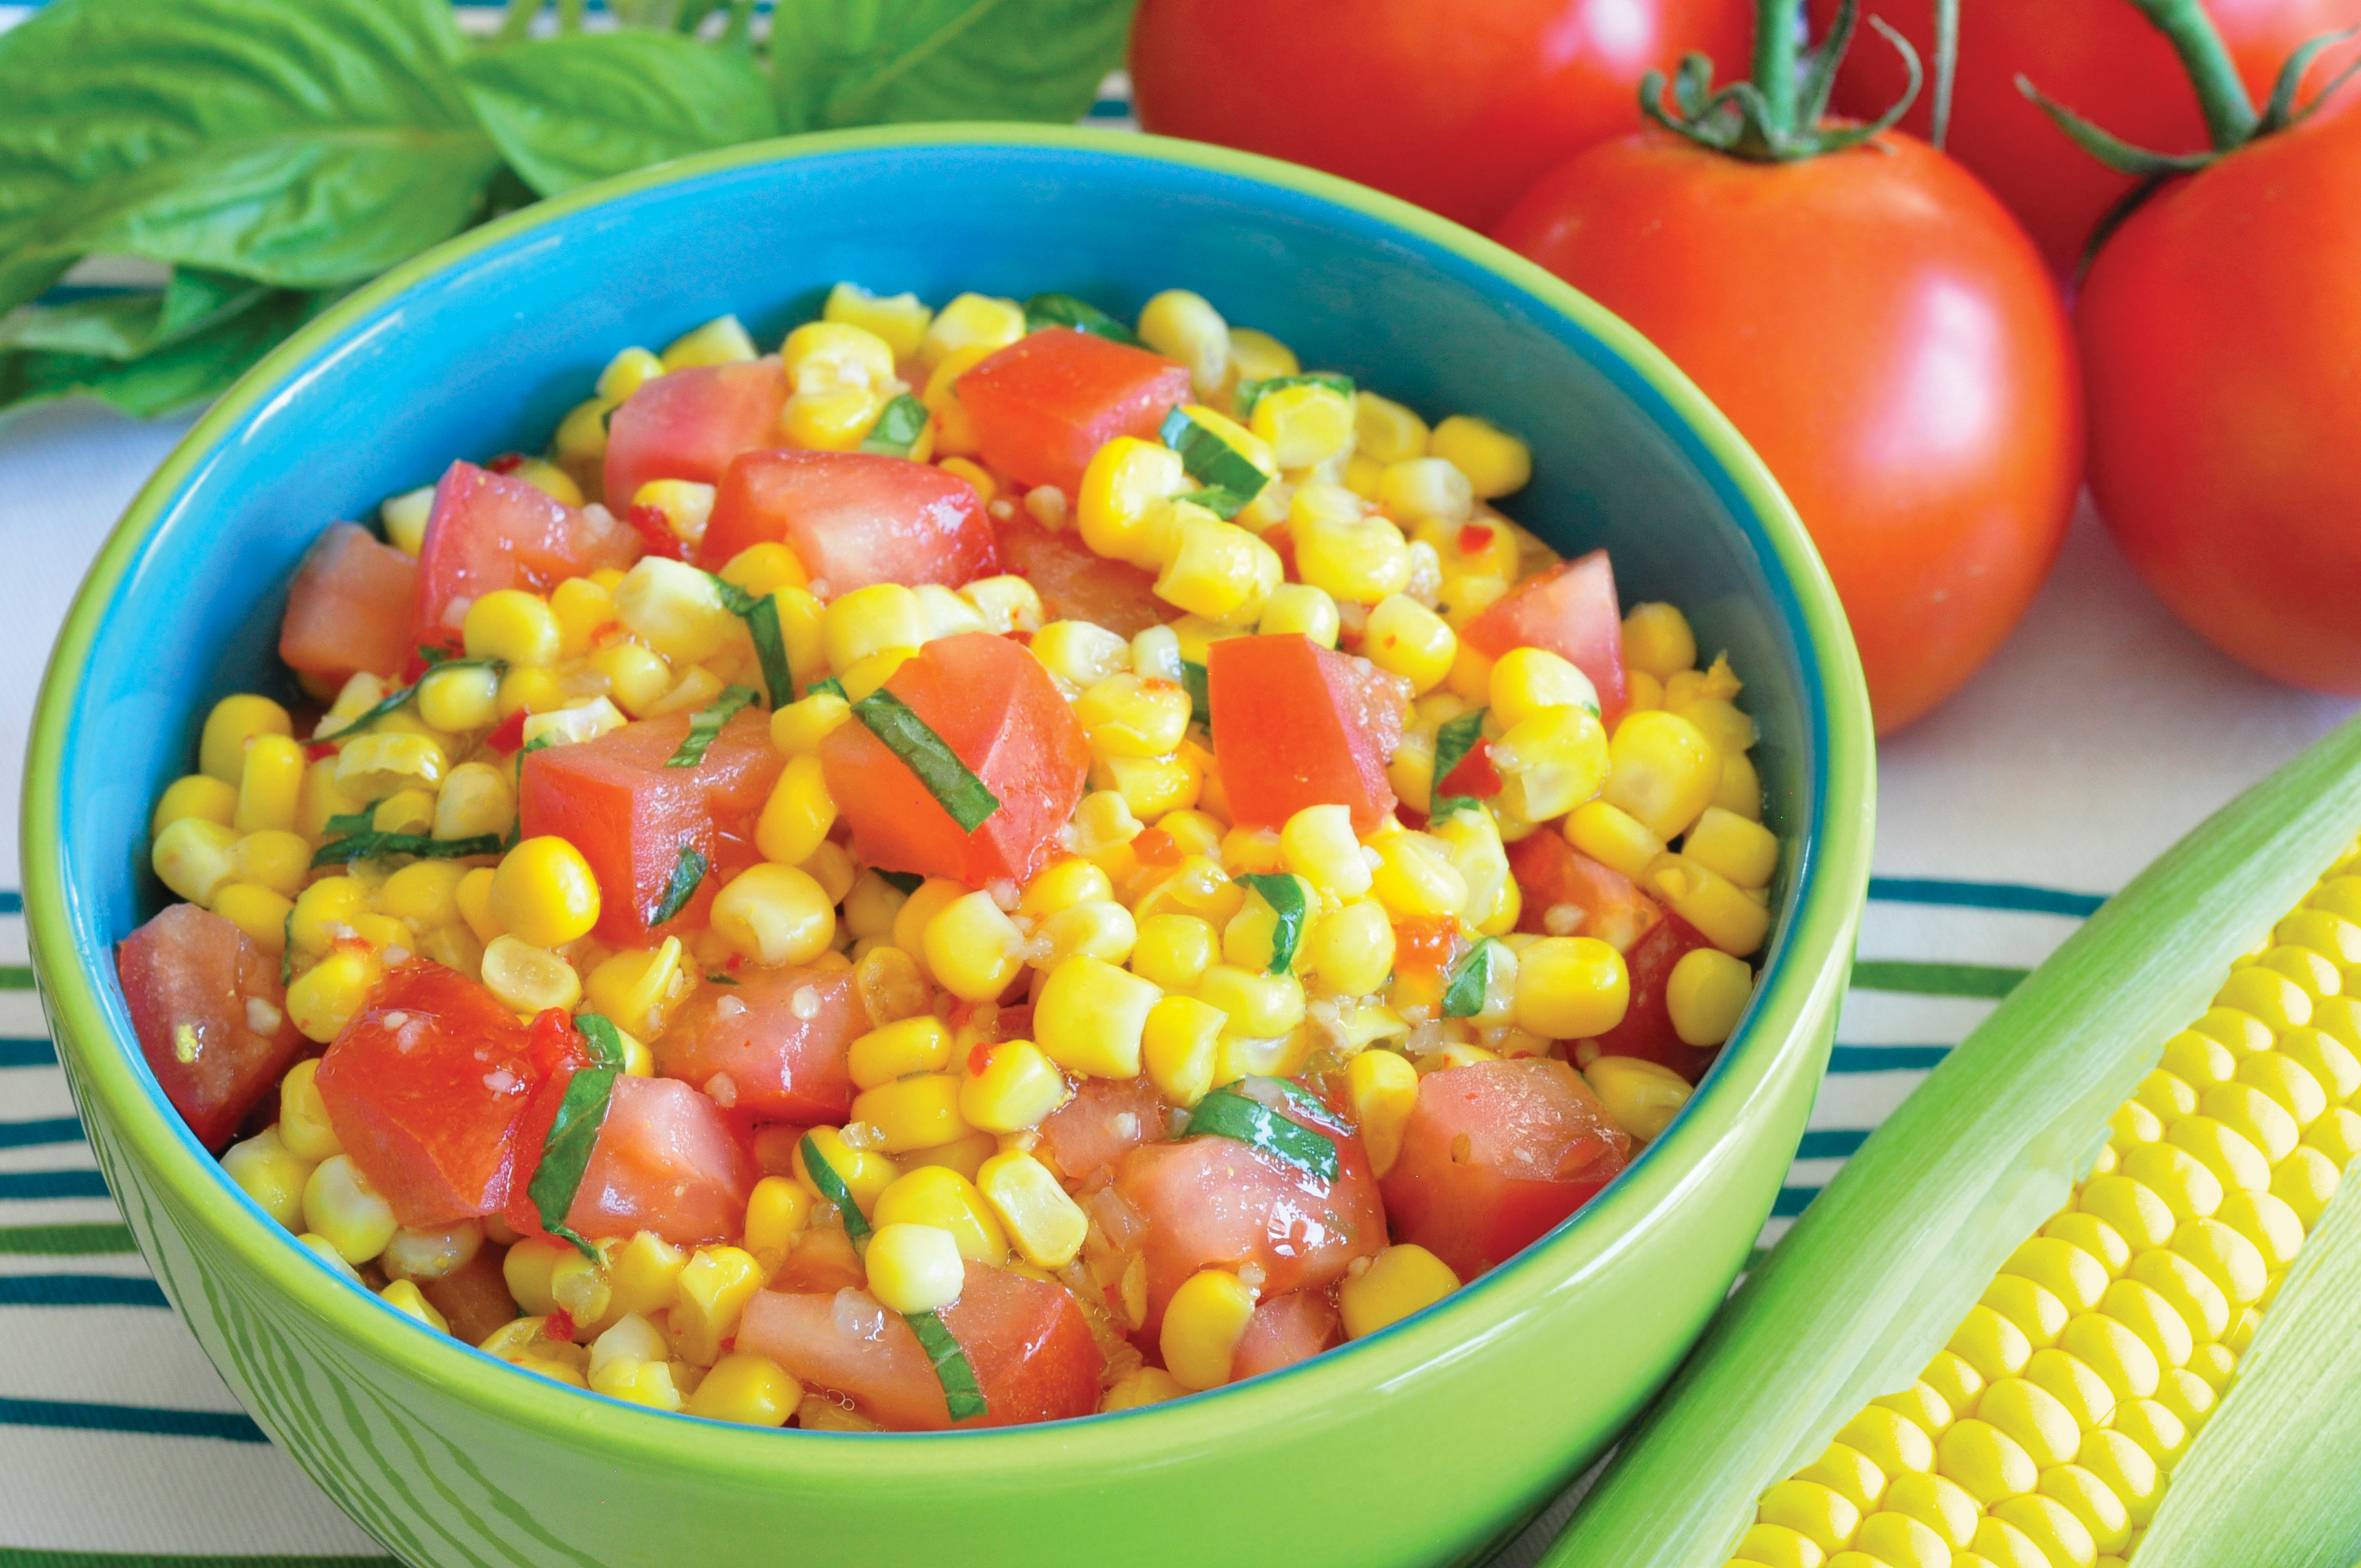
column 1884, row 334
column 1456, row 105
column 2100, row 57
column 2220, row 326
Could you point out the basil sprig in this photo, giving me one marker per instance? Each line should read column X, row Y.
column 1471, row 979
column 1210, row 460
column 1063, row 310
column 1452, row 744
column 706, row 726
column 959, row 792
column 394, row 701
column 1226, row 1114
column 352, row 838
column 1252, row 392
column 760, row 614
column 1284, row 895
column 897, row 429
column 574, row 1132
column 687, row 872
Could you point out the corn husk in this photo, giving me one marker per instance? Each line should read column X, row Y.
column 1878, row 1272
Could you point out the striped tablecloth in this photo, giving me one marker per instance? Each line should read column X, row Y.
column 2100, row 733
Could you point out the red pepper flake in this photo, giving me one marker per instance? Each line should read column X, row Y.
column 560, row 1325
column 605, row 631
column 1475, row 539
column 1157, row 848
column 980, row 1058
column 1021, row 638
column 656, row 532
column 509, row 734
column 1474, row 774
column 507, row 463
column 319, row 749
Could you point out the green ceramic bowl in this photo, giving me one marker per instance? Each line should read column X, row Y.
column 1422, row 1444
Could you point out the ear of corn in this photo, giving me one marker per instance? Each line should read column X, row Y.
column 1892, row 1259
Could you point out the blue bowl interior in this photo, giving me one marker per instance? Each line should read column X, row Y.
column 487, row 357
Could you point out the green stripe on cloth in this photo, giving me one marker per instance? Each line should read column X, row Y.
column 36, row 1557
column 65, row 1240
column 1990, row 981
column 15, row 977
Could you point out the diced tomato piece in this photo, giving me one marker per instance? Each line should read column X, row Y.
column 1045, row 403
column 1026, row 1340
column 472, row 1298
column 822, row 1263
column 1075, row 582
column 1428, row 944
column 493, row 530
column 1647, row 1028
column 668, row 1161
column 196, row 986
column 995, row 707
column 1494, row 1154
column 1106, row 1119
column 631, row 816
column 853, row 518
column 1475, row 776
column 1212, row 1201
column 1567, row 894
column 351, row 608
column 757, row 1049
column 425, row 1087
column 1571, row 610
column 1283, row 1331
column 690, row 423
column 1301, row 725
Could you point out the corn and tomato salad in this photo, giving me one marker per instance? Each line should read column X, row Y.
column 982, row 867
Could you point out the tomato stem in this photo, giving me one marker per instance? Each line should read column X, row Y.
column 2229, row 113
column 1778, row 26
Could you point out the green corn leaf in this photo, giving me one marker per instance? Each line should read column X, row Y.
column 832, row 1188
column 1252, row 392
column 960, row 1389
column 899, row 426
column 1284, row 895
column 1228, row 1114
column 687, row 872
column 1065, row 310
column 1452, row 744
column 1210, row 460
column 707, row 727
column 851, row 63
column 961, row 794
column 564, row 110
column 573, row 1137
column 1471, row 979
column 1878, row 1272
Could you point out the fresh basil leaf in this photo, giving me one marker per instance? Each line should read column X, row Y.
column 897, row 429
column 573, row 1137
column 908, row 881
column 1249, row 393
column 1044, row 311
column 1471, row 979
column 606, row 1042
column 832, row 1188
column 960, row 792
column 852, row 62
column 1210, row 460
column 135, row 323
column 194, row 369
column 760, row 614
column 960, row 1391
column 1200, row 694
column 1452, row 744
column 687, row 872
column 705, row 727
column 1224, row 504
column 1228, row 1114
column 1284, row 895
column 373, row 846
column 567, row 110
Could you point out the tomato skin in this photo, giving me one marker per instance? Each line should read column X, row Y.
column 1045, row 403
column 1455, row 107
column 472, row 1298
column 2220, row 326
column 350, row 607
column 2100, row 57
column 494, row 531
column 189, row 968
column 780, row 1066
column 666, row 1161
column 1301, row 725
column 1646, row 1031
column 1285, row 1330
column 1088, row 1133
column 425, row 1089
column 1571, row 610
column 1554, row 875
column 631, row 816
column 1884, row 337
column 853, row 518
column 994, row 705
column 1075, row 582
column 690, row 423
column 1531, row 1114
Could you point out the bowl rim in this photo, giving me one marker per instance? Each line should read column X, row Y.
column 1804, row 970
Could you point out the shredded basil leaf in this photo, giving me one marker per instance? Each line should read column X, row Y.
column 287, row 951
column 1064, row 309
column 960, row 1391
column 434, row 653
column 393, row 701
column 1285, row 896
column 687, row 872
column 908, row 881
column 606, row 1042
column 573, row 1137
column 959, row 792
column 1210, row 460
column 829, row 685
column 1452, row 744
column 1226, row 1114
column 832, row 1188
column 897, row 429
column 373, row 846
column 1224, row 504
column 1252, row 392
column 1200, row 694
column 717, row 978
column 541, row 742
column 1463, row 995
column 706, row 726
column 760, row 614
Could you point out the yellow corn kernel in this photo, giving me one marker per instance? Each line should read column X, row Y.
column 973, row 948
column 1657, row 639
column 1820, row 1516
column 634, row 987
column 715, row 1286
column 2296, row 1087
column 1426, row 487
column 1383, row 1088
column 544, row 893
column 405, row 1297
column 721, row 341
column 424, row 893
column 898, row 321
column 1526, row 681
column 405, row 516
column 1613, row 837
column 270, row 784
column 1721, row 912
column 1098, row 926
column 192, row 857
column 1745, row 852
column 197, row 796
column 529, row 979
column 1641, row 1097
column 1402, row 1279
column 1303, row 425
column 1346, row 551
column 914, row 1268
column 750, row 1389
column 1182, row 325
column 2254, row 1116
column 920, row 1043
column 256, row 911
column 1571, row 987
column 1150, row 786
column 1405, row 637
column 916, row 1113
column 1218, row 569
column 1551, row 762
column 2232, row 1158
column 1705, row 994
column 1319, row 845
column 1495, row 462
column 1088, row 1017
column 2267, row 995
column 1984, row 1461
column 1180, row 1048
column 1124, row 508
column 381, row 763
column 1414, row 875
column 1173, row 950
column 1017, row 1087
column 1385, row 431
column 1005, row 604
column 1663, row 772
column 675, row 609
column 917, row 912
column 512, row 625
column 637, row 676
column 326, row 997
column 1849, row 1475
column 976, row 322
column 1047, row 1226
column 582, row 608
column 270, row 1173
column 1202, row 1323
column 778, row 1211
column 954, row 432
column 2037, row 1314
column 866, row 620
column 340, row 1204
column 943, row 1198
column 2336, row 1135
column 1061, row 884
column 1349, row 949
column 1142, row 1385
column 1740, row 791
column 1260, row 1006
column 1134, row 716
column 233, row 723
column 644, row 1273
column 638, row 1382
column 798, row 729
column 775, row 915
column 330, row 902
